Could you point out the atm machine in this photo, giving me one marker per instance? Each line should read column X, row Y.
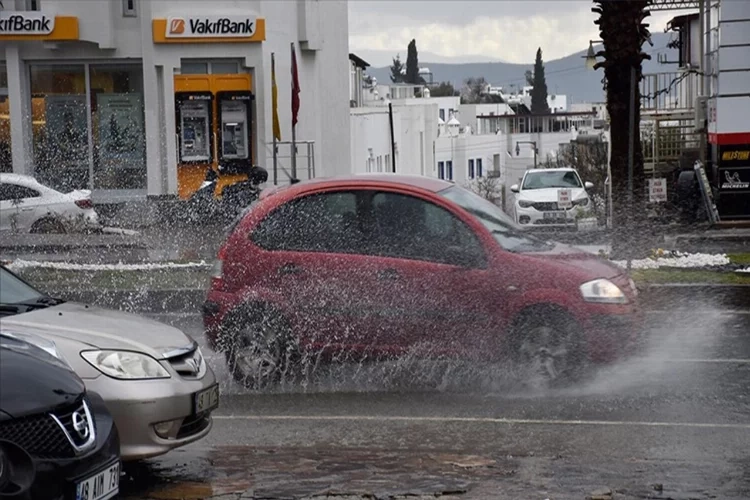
column 234, row 110
column 214, row 130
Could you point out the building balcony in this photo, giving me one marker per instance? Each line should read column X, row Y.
column 672, row 94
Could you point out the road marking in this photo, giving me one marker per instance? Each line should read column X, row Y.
column 725, row 312
column 482, row 420
column 727, row 361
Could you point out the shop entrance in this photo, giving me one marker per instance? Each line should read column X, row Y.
column 214, row 127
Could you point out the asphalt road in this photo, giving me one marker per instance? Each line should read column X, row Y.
column 673, row 424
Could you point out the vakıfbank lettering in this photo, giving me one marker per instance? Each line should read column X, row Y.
column 214, row 27
column 24, row 24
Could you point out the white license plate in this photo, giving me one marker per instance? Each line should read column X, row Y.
column 207, row 399
column 101, row 486
column 554, row 215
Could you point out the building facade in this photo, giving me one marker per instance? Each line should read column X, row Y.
column 136, row 98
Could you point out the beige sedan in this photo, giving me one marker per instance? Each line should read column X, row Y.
column 153, row 377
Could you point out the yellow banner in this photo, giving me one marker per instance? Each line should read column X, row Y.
column 20, row 26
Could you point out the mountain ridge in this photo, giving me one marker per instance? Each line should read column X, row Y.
column 568, row 75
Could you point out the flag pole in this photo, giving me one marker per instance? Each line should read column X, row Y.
column 273, row 132
column 294, row 126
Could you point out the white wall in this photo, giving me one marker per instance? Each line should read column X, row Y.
column 415, row 129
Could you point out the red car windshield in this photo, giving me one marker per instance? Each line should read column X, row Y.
column 505, row 231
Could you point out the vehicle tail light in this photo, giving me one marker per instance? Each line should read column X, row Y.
column 84, row 204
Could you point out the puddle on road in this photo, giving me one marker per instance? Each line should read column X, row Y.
column 306, row 472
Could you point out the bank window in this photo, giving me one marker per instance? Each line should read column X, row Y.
column 471, row 169
column 128, row 8
column 441, row 170
column 6, row 164
column 88, row 138
column 32, row 5
column 480, row 173
column 188, row 67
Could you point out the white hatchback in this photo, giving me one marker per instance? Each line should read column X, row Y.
column 29, row 206
column 537, row 197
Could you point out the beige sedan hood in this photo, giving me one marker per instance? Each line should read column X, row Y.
column 102, row 328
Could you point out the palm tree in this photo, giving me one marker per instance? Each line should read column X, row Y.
column 623, row 32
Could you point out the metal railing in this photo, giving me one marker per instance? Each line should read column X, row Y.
column 282, row 169
column 669, row 91
column 664, row 142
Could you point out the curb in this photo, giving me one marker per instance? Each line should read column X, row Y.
column 175, row 300
column 190, row 300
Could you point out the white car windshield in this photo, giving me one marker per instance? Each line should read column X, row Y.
column 551, row 179
column 505, row 231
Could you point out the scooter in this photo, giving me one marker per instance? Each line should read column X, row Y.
column 204, row 206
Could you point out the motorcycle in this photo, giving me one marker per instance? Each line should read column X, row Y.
column 204, row 206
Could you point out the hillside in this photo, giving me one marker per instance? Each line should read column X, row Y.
column 567, row 76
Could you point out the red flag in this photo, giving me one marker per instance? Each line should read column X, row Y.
column 295, row 88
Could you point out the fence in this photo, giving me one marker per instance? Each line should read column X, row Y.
column 281, row 170
column 669, row 91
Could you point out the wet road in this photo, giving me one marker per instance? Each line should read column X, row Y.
column 673, row 424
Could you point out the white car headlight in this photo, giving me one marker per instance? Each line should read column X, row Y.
column 583, row 202
column 603, row 291
column 525, row 204
column 125, row 364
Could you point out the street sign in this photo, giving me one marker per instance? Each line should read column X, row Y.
column 657, row 190
column 564, row 198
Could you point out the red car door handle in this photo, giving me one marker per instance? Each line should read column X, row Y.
column 290, row 268
column 388, row 274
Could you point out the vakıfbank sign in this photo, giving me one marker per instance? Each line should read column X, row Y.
column 20, row 25
column 207, row 29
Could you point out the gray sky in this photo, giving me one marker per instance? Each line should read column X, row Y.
column 477, row 30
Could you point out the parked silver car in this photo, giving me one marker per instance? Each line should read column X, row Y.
column 152, row 377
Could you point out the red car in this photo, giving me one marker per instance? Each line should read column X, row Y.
column 378, row 265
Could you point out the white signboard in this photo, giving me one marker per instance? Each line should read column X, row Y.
column 657, row 190
column 210, row 27
column 564, row 198
column 25, row 23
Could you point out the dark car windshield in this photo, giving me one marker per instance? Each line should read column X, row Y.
column 503, row 228
column 551, row 179
column 15, row 291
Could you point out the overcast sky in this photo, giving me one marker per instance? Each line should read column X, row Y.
column 478, row 30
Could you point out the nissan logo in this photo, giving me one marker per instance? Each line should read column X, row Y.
column 81, row 424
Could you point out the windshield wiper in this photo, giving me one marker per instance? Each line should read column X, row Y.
column 11, row 309
column 22, row 307
column 48, row 301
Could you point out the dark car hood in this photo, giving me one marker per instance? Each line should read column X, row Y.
column 569, row 256
column 29, row 384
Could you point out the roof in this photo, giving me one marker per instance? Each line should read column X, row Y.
column 358, row 61
column 414, row 181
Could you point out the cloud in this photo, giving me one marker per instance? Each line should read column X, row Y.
column 492, row 30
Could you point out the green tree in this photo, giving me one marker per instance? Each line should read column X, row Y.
column 443, row 89
column 412, row 64
column 539, row 104
column 623, row 33
column 396, row 68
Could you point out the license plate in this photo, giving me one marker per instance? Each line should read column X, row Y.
column 105, row 484
column 554, row 215
column 207, row 399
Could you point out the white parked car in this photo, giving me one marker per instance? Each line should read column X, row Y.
column 29, row 206
column 537, row 197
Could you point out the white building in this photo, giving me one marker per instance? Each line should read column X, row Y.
column 139, row 97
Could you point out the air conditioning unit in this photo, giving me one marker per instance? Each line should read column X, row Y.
column 700, row 108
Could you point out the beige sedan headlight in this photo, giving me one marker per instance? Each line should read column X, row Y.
column 125, row 365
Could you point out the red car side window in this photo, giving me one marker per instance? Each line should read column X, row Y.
column 316, row 223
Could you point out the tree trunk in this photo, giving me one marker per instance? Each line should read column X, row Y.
column 623, row 34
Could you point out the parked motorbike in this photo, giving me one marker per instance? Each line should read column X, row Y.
column 204, row 206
